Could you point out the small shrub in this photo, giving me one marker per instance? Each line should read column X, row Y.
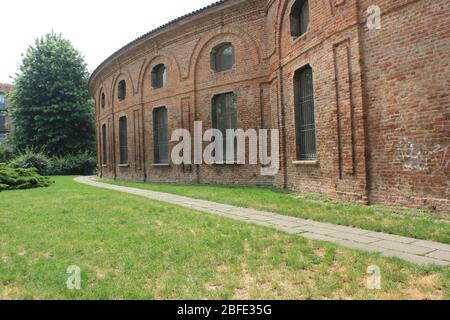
column 31, row 159
column 80, row 164
column 6, row 154
column 17, row 178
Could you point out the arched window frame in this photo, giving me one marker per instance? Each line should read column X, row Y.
column 123, row 141
column 161, row 136
column 104, row 146
column 224, row 111
column 102, row 100
column 305, row 124
column 299, row 18
column 159, row 76
column 218, row 62
column 122, row 90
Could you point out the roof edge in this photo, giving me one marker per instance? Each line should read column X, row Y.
column 157, row 31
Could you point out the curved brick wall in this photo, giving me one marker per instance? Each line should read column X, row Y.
column 380, row 96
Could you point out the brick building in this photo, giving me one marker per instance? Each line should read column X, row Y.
column 361, row 99
column 4, row 119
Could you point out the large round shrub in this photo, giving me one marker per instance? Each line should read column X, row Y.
column 31, row 159
column 12, row 179
column 6, row 154
column 79, row 164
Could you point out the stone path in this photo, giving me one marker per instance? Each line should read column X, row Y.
column 410, row 249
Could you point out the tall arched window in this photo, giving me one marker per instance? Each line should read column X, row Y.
column 159, row 76
column 123, row 140
column 304, row 114
column 160, row 136
column 299, row 18
column 122, row 90
column 103, row 100
column 104, row 146
column 224, row 116
column 222, row 57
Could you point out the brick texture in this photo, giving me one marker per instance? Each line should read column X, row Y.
column 5, row 127
column 381, row 96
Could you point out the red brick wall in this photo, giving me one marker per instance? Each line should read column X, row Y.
column 407, row 99
column 4, row 89
column 377, row 92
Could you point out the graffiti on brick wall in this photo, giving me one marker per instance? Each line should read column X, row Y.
column 422, row 157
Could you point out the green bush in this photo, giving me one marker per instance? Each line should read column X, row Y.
column 31, row 159
column 13, row 178
column 6, row 154
column 80, row 164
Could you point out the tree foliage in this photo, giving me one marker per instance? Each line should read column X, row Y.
column 51, row 105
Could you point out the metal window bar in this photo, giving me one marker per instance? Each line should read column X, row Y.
column 161, row 135
column 122, row 90
column 225, row 117
column 104, row 146
column 2, row 102
column 159, row 76
column 305, row 119
column 223, row 57
column 123, row 140
column 299, row 18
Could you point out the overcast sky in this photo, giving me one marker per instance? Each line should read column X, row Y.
column 97, row 28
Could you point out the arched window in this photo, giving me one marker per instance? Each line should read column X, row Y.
column 122, row 90
column 224, row 117
column 299, row 18
column 103, row 100
column 304, row 114
column 123, row 140
column 159, row 76
column 222, row 57
column 104, row 146
column 160, row 136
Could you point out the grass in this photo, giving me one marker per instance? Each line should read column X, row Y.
column 406, row 222
column 129, row 247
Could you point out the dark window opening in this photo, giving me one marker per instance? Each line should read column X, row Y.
column 103, row 101
column 123, row 140
column 224, row 116
column 299, row 18
column 2, row 123
column 161, row 136
column 2, row 102
column 304, row 114
column 122, row 90
column 104, row 146
column 159, row 76
column 222, row 57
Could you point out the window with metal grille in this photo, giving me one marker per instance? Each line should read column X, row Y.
column 304, row 114
column 222, row 57
column 159, row 76
column 104, row 146
column 122, row 90
column 299, row 18
column 103, row 101
column 2, row 123
column 123, row 140
column 2, row 102
column 161, row 135
column 224, row 116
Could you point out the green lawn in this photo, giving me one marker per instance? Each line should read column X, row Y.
column 130, row 247
column 410, row 223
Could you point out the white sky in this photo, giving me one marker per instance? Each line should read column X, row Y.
column 96, row 28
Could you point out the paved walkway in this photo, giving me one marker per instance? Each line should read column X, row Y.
column 410, row 249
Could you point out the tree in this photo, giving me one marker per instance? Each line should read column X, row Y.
column 52, row 110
